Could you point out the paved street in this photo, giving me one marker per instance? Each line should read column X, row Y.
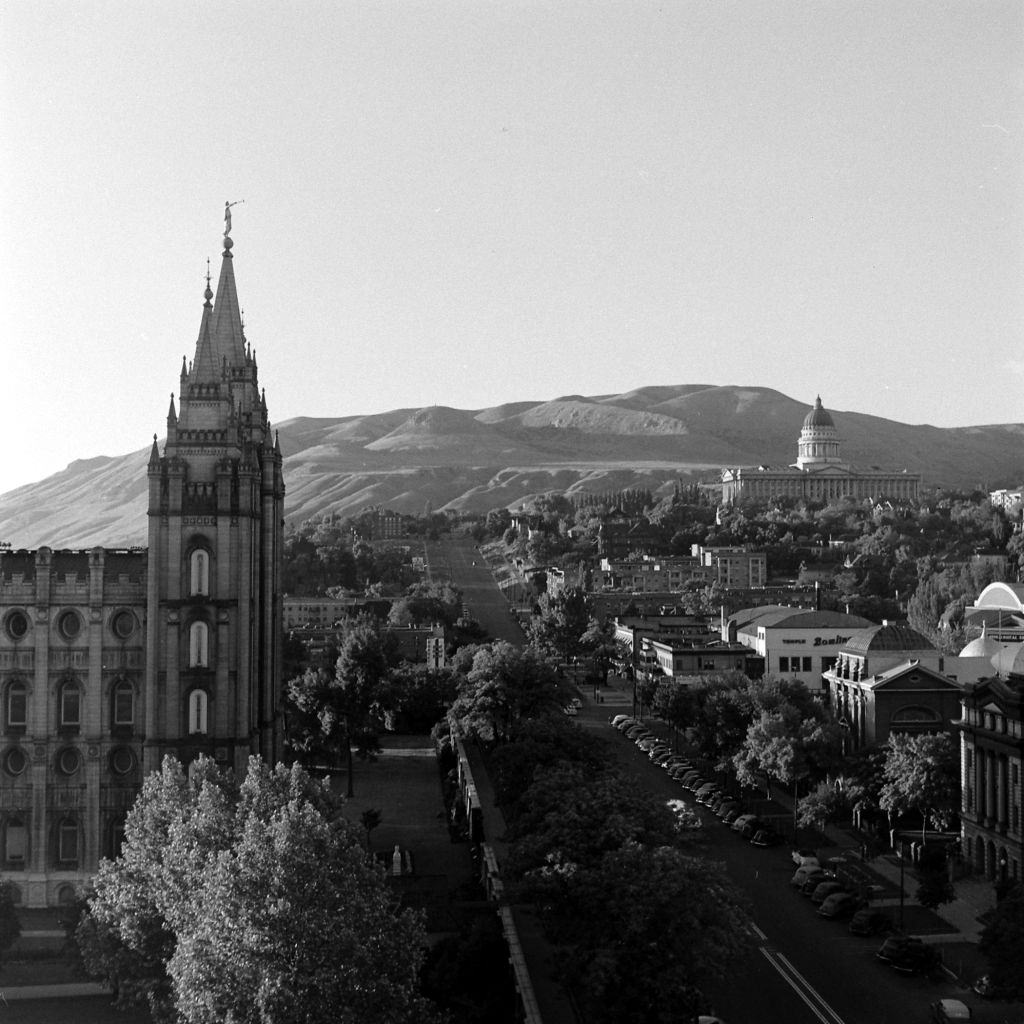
column 457, row 559
column 804, row 969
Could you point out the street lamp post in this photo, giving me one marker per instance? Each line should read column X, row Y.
column 1001, row 884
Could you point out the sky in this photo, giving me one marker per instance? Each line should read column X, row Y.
column 469, row 203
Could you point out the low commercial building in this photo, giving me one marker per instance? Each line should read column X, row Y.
column 795, row 643
column 688, row 659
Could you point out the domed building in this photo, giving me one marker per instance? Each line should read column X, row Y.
column 891, row 679
column 819, row 473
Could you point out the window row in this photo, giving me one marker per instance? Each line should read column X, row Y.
column 122, row 707
column 69, row 705
column 68, row 761
column 70, row 624
column 65, row 841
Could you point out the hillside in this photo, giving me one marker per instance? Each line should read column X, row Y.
column 480, row 459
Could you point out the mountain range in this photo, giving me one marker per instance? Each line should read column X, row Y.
column 475, row 460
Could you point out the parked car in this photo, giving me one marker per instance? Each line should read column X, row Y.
column 893, row 945
column 706, row 793
column 647, row 743
column 616, row 720
column 693, row 784
column 870, row 921
column 916, row 958
column 637, row 729
column 742, row 820
column 659, row 757
column 825, row 889
column 571, row 709
column 627, row 723
column 950, row 1011
column 804, row 854
column 801, row 875
column 730, row 816
column 815, row 879
column 839, row 904
column 727, row 805
column 678, row 771
column 765, row 837
column 750, row 828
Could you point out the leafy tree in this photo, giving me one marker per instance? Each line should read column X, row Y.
column 788, row 747
column 1002, row 941
column 334, row 711
column 503, row 685
column 823, row 804
column 427, row 602
column 254, row 904
column 646, row 930
column 921, row 774
column 559, row 628
column 370, row 819
column 416, row 696
column 536, row 744
column 574, row 815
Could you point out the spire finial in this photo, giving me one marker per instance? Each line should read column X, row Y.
column 208, row 294
column 227, row 223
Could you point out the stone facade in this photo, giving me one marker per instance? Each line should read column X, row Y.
column 991, row 758
column 111, row 659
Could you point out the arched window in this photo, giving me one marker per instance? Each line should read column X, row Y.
column 15, row 842
column 123, row 703
column 198, row 708
column 115, row 838
column 67, row 841
column 16, row 706
column 199, row 572
column 198, row 645
column 70, row 704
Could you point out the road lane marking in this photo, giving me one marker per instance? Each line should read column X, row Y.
column 802, row 988
column 757, row 931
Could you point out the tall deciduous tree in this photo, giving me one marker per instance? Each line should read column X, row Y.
column 504, row 685
column 334, row 711
column 647, row 930
column 252, row 904
column 785, row 746
column 921, row 775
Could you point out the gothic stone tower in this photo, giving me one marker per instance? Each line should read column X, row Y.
column 213, row 601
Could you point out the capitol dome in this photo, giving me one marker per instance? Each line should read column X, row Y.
column 819, row 440
column 819, row 416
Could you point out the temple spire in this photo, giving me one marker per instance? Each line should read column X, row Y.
column 204, row 366
column 227, row 334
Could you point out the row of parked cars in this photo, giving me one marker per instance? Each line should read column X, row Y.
column 726, row 807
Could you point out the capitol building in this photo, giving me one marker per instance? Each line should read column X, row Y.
column 819, row 473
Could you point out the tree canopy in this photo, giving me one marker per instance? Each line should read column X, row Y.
column 254, row 904
column 921, row 774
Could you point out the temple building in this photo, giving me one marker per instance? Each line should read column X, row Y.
column 111, row 659
column 819, row 473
